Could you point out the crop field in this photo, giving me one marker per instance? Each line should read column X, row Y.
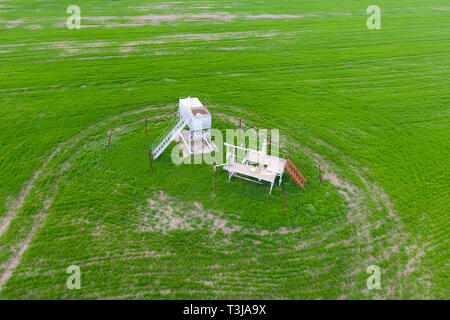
column 371, row 107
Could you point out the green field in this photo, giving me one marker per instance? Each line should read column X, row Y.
column 372, row 107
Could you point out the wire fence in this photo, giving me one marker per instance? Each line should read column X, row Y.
column 238, row 188
column 161, row 161
column 292, row 208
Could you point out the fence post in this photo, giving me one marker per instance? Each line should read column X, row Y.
column 320, row 175
column 240, row 126
column 150, row 157
column 270, row 142
column 109, row 138
column 284, row 208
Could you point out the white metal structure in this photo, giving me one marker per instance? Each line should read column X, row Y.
column 268, row 169
column 196, row 117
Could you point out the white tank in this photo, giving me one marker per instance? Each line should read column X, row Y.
column 198, row 116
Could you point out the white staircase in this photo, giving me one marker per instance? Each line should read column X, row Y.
column 166, row 138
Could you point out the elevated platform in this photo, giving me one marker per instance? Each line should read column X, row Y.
column 256, row 164
column 198, row 117
column 195, row 141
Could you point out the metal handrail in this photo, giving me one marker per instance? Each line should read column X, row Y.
column 168, row 138
column 161, row 137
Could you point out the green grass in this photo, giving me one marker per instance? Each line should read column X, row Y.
column 371, row 105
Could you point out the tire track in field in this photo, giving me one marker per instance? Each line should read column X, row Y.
column 19, row 201
column 14, row 261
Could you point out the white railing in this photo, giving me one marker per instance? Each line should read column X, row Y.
column 163, row 134
column 167, row 138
